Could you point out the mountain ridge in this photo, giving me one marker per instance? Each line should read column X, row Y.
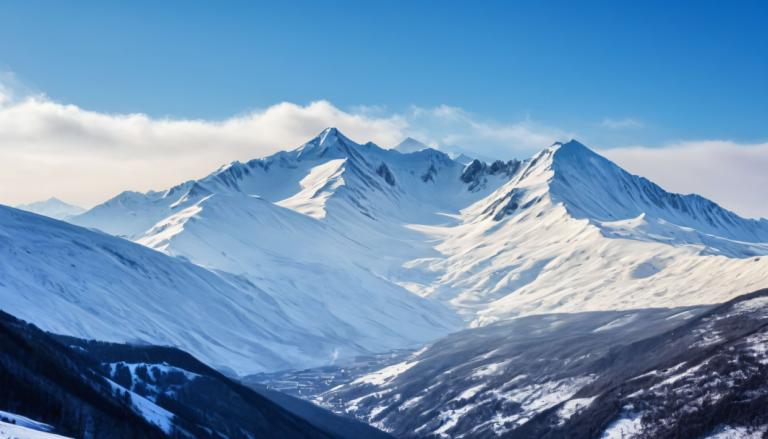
column 561, row 231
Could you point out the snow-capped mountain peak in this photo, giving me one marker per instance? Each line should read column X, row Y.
column 52, row 207
column 591, row 186
column 330, row 143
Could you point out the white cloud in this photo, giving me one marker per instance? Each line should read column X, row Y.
column 448, row 126
column 617, row 124
column 47, row 148
column 52, row 149
column 731, row 174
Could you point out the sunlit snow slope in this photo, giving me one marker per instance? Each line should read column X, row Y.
column 572, row 231
column 73, row 281
column 335, row 232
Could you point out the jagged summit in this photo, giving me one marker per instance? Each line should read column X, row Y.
column 329, row 143
column 592, row 187
column 329, row 135
column 569, row 147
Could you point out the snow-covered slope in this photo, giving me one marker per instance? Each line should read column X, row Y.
column 565, row 230
column 78, row 282
column 571, row 231
column 310, row 271
column 52, row 207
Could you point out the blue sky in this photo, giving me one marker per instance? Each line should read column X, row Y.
column 681, row 69
column 98, row 97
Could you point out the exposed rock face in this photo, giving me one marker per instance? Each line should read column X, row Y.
column 476, row 172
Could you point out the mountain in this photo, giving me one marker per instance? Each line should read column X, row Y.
column 336, row 231
column 52, row 207
column 571, row 231
column 662, row 373
column 343, row 255
column 89, row 389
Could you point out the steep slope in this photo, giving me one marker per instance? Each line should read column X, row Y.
column 47, row 382
column 550, row 240
column 642, row 373
column 77, row 282
column 52, row 207
column 93, row 389
column 592, row 187
column 309, row 270
column 200, row 395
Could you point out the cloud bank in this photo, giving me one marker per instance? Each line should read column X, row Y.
column 85, row 157
column 733, row 175
column 53, row 149
column 617, row 124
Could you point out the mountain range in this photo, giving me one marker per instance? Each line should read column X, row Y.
column 490, row 241
column 310, row 258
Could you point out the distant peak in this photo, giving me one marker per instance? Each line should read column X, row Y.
column 409, row 144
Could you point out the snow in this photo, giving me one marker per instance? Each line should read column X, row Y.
column 11, row 431
column 557, row 252
column 281, row 310
column 628, row 425
column 752, row 305
column 147, row 409
column 490, row 369
column 470, row 392
column 573, row 406
column 151, row 368
column 679, row 376
column 621, row 321
column 758, row 345
column 533, row 399
column 735, row 432
column 386, row 374
column 17, row 420
column 450, row 418
column 336, row 260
